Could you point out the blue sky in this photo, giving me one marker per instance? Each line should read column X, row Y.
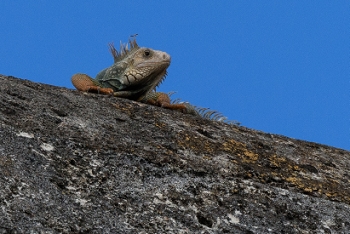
column 277, row 66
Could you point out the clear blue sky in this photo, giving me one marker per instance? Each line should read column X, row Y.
column 281, row 67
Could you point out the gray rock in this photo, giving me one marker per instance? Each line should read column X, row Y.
column 87, row 163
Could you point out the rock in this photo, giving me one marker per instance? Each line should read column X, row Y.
column 85, row 163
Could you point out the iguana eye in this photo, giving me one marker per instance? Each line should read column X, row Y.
column 147, row 53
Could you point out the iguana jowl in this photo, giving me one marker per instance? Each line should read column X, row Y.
column 135, row 74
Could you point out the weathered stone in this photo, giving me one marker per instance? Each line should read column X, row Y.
column 86, row 163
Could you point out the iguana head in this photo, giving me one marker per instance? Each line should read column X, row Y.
column 136, row 70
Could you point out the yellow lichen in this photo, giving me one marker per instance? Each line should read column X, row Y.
column 240, row 149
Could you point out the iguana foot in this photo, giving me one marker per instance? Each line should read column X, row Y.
column 85, row 83
column 163, row 100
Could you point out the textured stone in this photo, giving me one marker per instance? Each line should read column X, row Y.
column 86, row 163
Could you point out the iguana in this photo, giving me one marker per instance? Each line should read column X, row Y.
column 135, row 74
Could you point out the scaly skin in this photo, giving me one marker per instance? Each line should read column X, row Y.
column 135, row 74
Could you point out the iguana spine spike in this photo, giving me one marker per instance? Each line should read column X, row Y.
column 124, row 50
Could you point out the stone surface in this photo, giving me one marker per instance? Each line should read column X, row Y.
column 87, row 163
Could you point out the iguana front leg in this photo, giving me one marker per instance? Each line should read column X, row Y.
column 85, row 83
column 162, row 100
